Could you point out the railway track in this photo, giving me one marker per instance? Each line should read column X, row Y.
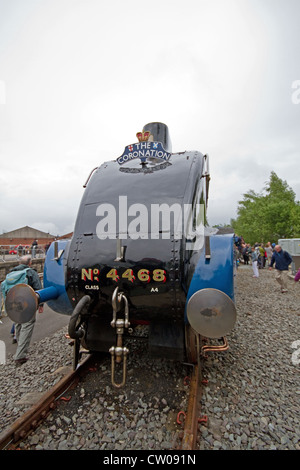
column 30, row 421
column 27, row 424
column 192, row 419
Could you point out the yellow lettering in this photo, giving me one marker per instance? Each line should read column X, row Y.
column 87, row 274
column 159, row 275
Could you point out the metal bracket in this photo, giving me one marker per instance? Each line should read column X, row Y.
column 57, row 254
column 120, row 255
column 206, row 174
column 207, row 248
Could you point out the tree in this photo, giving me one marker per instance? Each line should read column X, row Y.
column 269, row 215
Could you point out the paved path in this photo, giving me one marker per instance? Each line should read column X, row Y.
column 46, row 324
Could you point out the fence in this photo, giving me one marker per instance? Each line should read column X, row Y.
column 11, row 253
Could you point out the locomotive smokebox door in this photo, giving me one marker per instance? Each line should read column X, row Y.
column 211, row 313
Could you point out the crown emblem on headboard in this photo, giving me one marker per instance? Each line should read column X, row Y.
column 143, row 136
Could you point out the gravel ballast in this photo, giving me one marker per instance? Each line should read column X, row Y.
column 251, row 399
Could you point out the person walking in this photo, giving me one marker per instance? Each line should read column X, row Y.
column 269, row 251
column 23, row 331
column 282, row 260
column 33, row 248
column 262, row 260
column 246, row 253
column 254, row 259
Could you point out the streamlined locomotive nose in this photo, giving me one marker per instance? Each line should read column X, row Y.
column 135, row 258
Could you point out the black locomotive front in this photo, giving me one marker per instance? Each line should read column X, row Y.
column 129, row 241
column 141, row 252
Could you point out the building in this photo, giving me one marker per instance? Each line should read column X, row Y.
column 25, row 236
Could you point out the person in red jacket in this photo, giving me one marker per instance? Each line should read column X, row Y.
column 297, row 277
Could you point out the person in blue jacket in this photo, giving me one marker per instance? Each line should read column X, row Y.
column 282, row 260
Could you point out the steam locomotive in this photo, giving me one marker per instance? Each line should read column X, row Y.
column 141, row 253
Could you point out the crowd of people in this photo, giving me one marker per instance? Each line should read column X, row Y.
column 261, row 256
column 258, row 252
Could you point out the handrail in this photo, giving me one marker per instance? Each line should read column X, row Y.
column 85, row 184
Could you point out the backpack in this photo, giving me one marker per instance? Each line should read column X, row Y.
column 12, row 279
column 237, row 240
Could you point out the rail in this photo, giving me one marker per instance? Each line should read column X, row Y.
column 10, row 437
column 190, row 433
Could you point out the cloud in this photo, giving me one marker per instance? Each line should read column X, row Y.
column 81, row 78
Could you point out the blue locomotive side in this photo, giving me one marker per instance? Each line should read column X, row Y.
column 210, row 303
column 55, row 278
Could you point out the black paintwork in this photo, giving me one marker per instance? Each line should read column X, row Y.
column 158, row 277
column 175, row 183
column 161, row 304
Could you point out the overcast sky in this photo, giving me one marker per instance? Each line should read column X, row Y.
column 79, row 79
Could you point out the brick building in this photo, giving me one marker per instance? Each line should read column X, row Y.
column 25, row 236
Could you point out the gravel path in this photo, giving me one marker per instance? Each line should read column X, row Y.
column 251, row 400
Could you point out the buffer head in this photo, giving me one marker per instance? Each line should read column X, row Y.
column 21, row 303
column 211, row 313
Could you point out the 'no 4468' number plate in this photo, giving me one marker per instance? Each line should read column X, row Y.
column 144, row 275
